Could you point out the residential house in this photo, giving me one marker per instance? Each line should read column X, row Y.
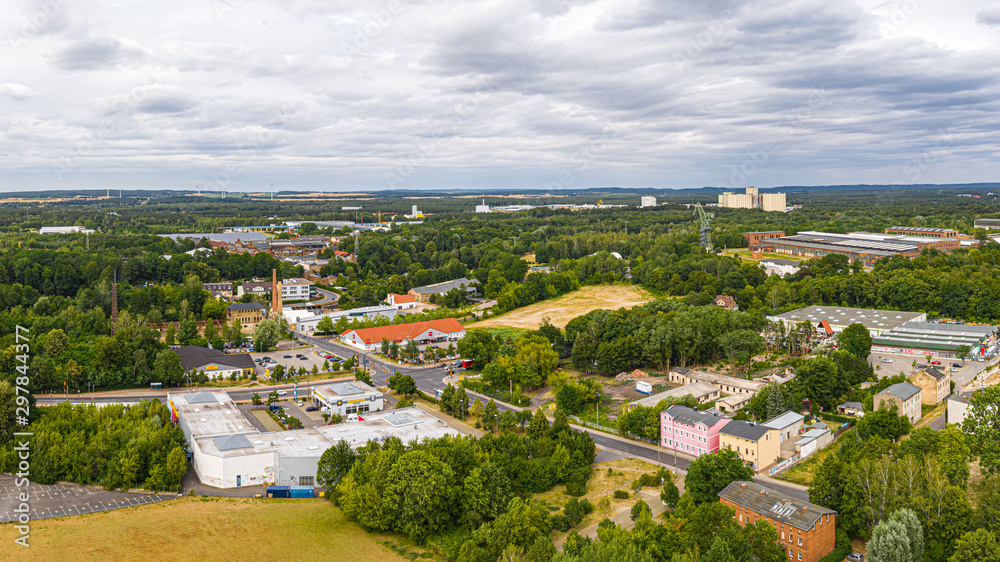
column 806, row 531
column 690, row 431
column 701, row 392
column 856, row 409
column 935, row 384
column 958, row 404
column 758, row 445
column 224, row 290
column 789, row 425
column 905, row 396
column 727, row 302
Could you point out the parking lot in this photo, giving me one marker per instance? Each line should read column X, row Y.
column 291, row 361
column 903, row 364
column 60, row 501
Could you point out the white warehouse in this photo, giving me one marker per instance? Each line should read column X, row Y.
column 228, row 451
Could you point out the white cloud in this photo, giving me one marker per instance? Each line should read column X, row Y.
column 499, row 93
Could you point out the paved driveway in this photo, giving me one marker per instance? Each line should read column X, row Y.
column 904, row 364
column 59, row 500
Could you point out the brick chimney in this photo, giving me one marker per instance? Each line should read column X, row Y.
column 275, row 293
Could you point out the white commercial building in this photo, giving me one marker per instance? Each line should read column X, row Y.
column 428, row 331
column 647, row 201
column 64, row 230
column 228, row 452
column 346, row 398
column 309, row 323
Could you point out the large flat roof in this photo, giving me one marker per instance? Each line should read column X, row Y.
column 210, row 413
column 932, row 335
column 870, row 318
column 407, row 424
column 696, row 389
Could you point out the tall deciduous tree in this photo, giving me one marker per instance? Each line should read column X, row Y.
column 982, row 428
column 856, row 340
column 709, row 474
column 266, row 334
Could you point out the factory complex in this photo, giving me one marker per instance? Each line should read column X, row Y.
column 228, row 451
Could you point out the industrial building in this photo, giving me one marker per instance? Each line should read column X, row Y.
column 753, row 199
column 863, row 247
column 428, row 331
column 309, row 323
column 988, row 224
column 780, row 267
column 64, row 230
column 423, row 294
column 702, row 392
column 921, row 231
column 346, row 398
column 248, row 313
column 227, row 451
column 833, row 319
column 921, row 338
column 647, row 201
column 755, row 240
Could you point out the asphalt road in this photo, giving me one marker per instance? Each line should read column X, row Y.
column 428, row 379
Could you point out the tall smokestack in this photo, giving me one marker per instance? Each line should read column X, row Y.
column 275, row 294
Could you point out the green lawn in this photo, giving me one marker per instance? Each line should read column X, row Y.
column 205, row 528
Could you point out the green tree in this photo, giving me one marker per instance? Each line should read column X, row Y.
column 188, row 331
column 890, row 542
column 266, row 334
column 325, row 325
column 741, row 346
column 490, row 416
column 568, row 399
column 168, row 367
column 403, row 384
column 176, row 468
column 334, row 464
column 478, row 345
column 856, row 340
column 777, row 403
column 214, row 309
column 255, row 399
column 56, row 342
column 508, row 421
column 538, row 357
column 962, row 352
column 170, row 334
column 982, row 428
column 709, row 474
column 980, row 545
column 418, row 491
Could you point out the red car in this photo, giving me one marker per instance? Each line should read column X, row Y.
column 935, row 362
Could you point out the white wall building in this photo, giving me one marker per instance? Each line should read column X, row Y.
column 428, row 331
column 228, row 452
column 647, row 201
column 309, row 323
column 346, row 398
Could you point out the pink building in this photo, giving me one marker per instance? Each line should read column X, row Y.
column 690, row 431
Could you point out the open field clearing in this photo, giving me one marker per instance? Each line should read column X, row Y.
column 205, row 529
column 561, row 310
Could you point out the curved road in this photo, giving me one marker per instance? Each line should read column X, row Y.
column 428, row 380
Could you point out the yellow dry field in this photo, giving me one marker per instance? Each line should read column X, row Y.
column 197, row 528
column 561, row 310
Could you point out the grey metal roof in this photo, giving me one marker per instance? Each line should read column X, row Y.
column 903, row 390
column 934, row 372
column 870, row 318
column 855, row 405
column 229, row 442
column 345, row 389
column 784, row 420
column 444, row 286
column 765, row 501
column 194, row 356
column 684, row 414
column 201, row 398
column 745, row 430
column 246, row 306
column 921, row 229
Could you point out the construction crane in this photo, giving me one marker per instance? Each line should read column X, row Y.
column 706, row 225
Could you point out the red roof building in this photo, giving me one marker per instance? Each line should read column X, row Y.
column 428, row 331
column 401, row 301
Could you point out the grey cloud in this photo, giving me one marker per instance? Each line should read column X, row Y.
column 96, row 53
column 989, row 17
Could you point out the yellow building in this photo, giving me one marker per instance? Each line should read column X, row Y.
column 248, row 313
column 935, row 385
column 756, row 444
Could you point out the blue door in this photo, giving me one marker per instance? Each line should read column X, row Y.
column 237, row 480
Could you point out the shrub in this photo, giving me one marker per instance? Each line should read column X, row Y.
column 611, row 471
column 621, row 495
column 560, row 522
column 576, row 510
column 576, row 484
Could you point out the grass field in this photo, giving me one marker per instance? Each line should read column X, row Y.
column 561, row 310
column 208, row 529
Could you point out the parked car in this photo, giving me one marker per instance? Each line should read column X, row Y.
column 935, row 362
column 287, row 357
column 886, row 360
column 311, row 408
column 855, row 557
column 956, row 364
column 282, row 392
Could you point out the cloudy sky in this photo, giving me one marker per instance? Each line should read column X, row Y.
column 367, row 95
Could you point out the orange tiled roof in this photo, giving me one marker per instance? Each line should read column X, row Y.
column 406, row 331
